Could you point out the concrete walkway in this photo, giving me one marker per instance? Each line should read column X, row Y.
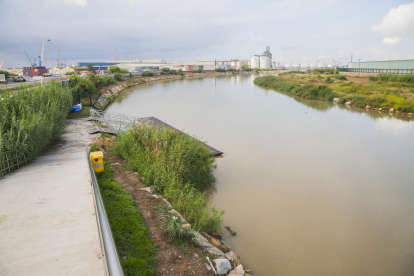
column 51, row 228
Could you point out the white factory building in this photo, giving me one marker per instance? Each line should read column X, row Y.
column 263, row 61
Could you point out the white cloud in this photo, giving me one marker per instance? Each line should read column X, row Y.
column 399, row 22
column 391, row 40
column 78, row 2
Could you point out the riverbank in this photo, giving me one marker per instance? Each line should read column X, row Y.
column 109, row 94
column 369, row 93
column 121, row 185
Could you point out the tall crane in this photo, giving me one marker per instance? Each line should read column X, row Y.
column 30, row 62
column 57, row 61
column 152, row 52
column 1, row 65
column 42, row 52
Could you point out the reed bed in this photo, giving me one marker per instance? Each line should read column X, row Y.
column 177, row 166
column 31, row 118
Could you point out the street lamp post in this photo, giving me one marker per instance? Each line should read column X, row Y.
column 50, row 53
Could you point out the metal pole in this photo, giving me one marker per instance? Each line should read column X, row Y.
column 50, row 53
column 359, row 65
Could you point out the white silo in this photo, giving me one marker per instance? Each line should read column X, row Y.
column 220, row 62
column 238, row 65
column 321, row 65
column 255, row 62
column 304, row 66
column 265, row 62
column 288, row 66
column 313, row 65
column 295, row 66
column 233, row 64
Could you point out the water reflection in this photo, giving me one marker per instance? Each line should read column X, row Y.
column 311, row 188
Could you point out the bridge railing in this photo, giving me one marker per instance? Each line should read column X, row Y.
column 109, row 253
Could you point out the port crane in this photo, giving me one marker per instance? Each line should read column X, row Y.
column 42, row 52
column 30, row 62
column 1, row 65
column 57, row 61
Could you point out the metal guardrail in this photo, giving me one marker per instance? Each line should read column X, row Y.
column 109, row 252
column 10, row 161
column 114, row 121
column 378, row 71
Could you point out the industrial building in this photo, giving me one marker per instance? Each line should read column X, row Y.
column 388, row 66
column 262, row 61
column 304, row 66
column 106, row 64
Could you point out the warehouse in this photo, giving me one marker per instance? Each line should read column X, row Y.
column 388, row 66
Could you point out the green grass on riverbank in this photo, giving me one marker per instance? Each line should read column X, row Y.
column 132, row 238
column 360, row 91
column 177, row 166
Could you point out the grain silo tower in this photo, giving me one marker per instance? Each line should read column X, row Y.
column 255, row 62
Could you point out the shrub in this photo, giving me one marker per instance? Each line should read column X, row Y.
column 108, row 80
column 328, row 80
column 174, row 227
column 246, row 68
column 81, row 86
column 119, row 77
column 165, row 71
column 396, row 78
column 373, row 78
column 340, row 77
column 116, row 69
column 221, row 70
column 198, row 70
column 147, row 74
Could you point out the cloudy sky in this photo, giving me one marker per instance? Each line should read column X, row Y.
column 296, row 30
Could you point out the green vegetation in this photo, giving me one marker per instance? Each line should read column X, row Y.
column 177, row 166
column 119, row 77
column 81, row 86
column 116, row 69
column 385, row 91
column 174, row 227
column 396, row 78
column 89, row 67
column 221, row 70
column 70, row 73
column 246, row 68
column 147, row 74
column 132, row 238
column 5, row 73
column 33, row 117
column 198, row 70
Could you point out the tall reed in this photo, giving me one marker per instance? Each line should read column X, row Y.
column 32, row 117
column 177, row 166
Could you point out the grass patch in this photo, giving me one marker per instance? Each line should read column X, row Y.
column 177, row 166
column 132, row 238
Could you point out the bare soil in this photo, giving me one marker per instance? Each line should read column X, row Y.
column 358, row 80
column 173, row 258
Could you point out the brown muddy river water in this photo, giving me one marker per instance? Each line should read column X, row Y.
column 311, row 188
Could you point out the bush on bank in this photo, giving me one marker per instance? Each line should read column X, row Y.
column 33, row 117
column 320, row 92
column 131, row 236
column 177, row 166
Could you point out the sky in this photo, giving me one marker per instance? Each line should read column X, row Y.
column 198, row 30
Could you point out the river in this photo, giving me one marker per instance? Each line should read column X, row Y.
column 311, row 188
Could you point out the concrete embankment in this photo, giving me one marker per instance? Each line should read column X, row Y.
column 50, row 222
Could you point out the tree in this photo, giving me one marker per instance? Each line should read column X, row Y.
column 116, row 69
column 89, row 67
column 6, row 74
column 165, row 71
column 147, row 74
column 81, row 86
column 246, row 68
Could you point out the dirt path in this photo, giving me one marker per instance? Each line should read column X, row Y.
column 173, row 259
